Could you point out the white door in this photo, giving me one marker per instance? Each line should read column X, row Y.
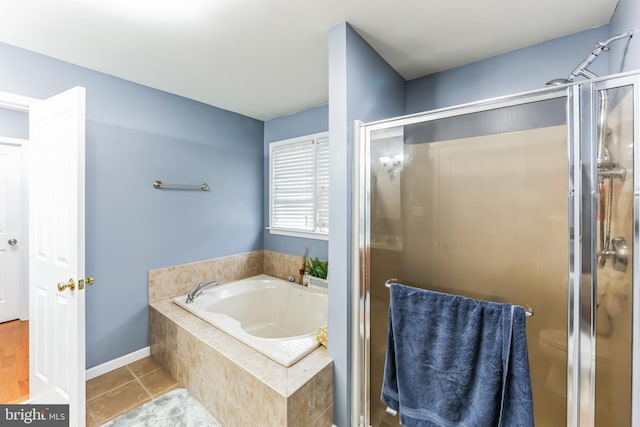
column 11, row 218
column 56, row 248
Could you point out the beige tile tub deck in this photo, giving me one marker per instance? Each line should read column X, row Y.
column 238, row 385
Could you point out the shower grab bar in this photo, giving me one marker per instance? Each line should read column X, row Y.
column 528, row 310
column 159, row 185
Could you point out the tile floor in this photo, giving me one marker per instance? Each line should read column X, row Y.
column 124, row 389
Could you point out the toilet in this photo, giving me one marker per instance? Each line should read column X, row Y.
column 553, row 343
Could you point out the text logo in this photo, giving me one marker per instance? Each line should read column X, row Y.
column 34, row 415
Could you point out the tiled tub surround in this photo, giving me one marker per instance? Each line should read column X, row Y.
column 281, row 265
column 238, row 385
column 179, row 279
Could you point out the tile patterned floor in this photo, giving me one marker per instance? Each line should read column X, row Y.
column 124, row 389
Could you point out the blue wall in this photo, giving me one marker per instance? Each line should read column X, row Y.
column 625, row 54
column 513, row 72
column 14, row 124
column 313, row 120
column 362, row 86
column 135, row 135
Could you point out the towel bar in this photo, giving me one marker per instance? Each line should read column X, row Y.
column 159, row 185
column 391, row 412
column 528, row 310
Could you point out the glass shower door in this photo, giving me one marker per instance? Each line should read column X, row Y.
column 476, row 205
column 615, row 185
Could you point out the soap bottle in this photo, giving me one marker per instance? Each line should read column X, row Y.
column 305, row 278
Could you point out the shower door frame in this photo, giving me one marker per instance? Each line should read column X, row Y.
column 581, row 234
column 588, row 123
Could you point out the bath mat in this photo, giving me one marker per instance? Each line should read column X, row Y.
column 176, row 408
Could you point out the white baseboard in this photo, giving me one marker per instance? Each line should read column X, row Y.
column 109, row 366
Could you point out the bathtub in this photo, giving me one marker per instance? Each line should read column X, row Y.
column 277, row 318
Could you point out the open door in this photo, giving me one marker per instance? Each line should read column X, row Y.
column 56, row 252
column 10, row 229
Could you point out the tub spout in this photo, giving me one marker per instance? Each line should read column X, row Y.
column 191, row 296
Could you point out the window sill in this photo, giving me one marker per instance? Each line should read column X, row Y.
column 296, row 233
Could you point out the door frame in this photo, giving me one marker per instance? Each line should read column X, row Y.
column 361, row 240
column 11, row 101
column 587, row 93
column 21, row 103
column 23, row 268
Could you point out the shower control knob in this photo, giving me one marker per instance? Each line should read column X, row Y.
column 621, row 254
column 12, row 242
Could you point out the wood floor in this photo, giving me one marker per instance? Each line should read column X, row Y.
column 14, row 361
column 108, row 395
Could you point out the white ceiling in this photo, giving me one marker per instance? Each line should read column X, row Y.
column 268, row 58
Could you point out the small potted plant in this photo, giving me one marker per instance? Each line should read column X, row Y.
column 317, row 272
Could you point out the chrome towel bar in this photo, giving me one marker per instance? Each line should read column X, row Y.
column 528, row 310
column 159, row 185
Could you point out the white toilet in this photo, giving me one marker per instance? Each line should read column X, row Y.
column 553, row 343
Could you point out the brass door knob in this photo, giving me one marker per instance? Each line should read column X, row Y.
column 71, row 285
column 87, row 281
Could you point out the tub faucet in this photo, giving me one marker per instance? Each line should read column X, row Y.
column 191, row 296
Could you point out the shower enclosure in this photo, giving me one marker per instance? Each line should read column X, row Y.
column 529, row 199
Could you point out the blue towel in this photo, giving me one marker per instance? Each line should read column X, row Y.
column 455, row 361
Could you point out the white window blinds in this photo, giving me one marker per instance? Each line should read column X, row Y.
column 322, row 185
column 299, row 185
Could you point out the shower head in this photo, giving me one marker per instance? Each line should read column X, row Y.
column 557, row 82
column 581, row 69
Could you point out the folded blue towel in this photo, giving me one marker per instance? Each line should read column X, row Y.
column 455, row 361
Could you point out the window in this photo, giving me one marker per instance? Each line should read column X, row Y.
column 299, row 186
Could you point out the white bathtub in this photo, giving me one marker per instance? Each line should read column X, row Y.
column 273, row 316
